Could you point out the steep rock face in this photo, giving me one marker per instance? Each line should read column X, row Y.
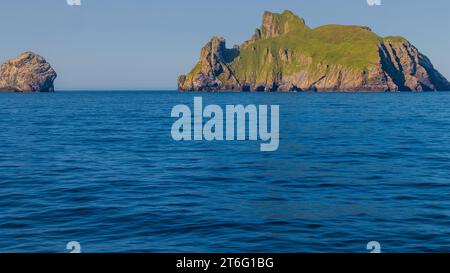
column 27, row 73
column 286, row 55
column 408, row 69
column 213, row 71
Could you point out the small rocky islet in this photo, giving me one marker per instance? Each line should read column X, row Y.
column 29, row 72
column 286, row 55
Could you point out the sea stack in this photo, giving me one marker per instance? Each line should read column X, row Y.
column 285, row 54
column 29, row 72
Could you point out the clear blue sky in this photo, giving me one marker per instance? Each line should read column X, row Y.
column 136, row 44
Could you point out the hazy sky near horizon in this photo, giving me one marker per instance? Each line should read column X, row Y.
column 135, row 44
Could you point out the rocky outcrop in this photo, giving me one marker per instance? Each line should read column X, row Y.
column 27, row 73
column 405, row 68
column 213, row 71
column 286, row 55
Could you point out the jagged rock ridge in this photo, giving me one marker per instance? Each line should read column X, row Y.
column 286, row 55
column 27, row 73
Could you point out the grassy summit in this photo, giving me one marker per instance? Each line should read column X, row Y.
column 350, row 46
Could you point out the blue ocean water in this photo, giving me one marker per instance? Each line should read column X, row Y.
column 102, row 169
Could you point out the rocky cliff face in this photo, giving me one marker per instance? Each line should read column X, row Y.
column 286, row 55
column 213, row 71
column 27, row 73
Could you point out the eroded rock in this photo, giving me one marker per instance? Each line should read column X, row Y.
column 27, row 73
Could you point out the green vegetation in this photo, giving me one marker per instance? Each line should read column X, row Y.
column 283, row 23
column 396, row 39
column 353, row 47
column 285, row 45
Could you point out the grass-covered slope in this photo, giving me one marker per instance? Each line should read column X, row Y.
column 286, row 55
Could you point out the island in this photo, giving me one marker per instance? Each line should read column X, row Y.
column 29, row 72
column 287, row 55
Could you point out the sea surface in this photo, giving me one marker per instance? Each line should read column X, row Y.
column 102, row 169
